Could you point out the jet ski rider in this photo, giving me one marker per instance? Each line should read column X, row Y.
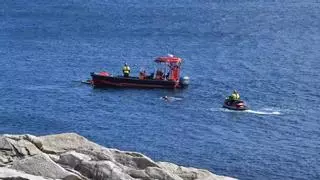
column 235, row 96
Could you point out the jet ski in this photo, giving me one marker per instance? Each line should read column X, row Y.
column 237, row 105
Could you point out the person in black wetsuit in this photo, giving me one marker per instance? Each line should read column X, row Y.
column 165, row 98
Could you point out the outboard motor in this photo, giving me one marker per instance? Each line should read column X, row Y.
column 184, row 81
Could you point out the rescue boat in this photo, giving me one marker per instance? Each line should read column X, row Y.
column 166, row 75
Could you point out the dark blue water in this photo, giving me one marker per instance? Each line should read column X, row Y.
column 268, row 51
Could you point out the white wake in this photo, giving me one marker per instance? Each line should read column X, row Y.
column 263, row 111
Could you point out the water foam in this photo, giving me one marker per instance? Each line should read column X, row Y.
column 263, row 111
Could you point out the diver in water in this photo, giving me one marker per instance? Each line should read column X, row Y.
column 166, row 98
column 170, row 98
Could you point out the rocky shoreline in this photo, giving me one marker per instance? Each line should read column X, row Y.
column 70, row 156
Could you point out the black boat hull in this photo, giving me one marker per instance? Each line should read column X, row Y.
column 235, row 105
column 100, row 81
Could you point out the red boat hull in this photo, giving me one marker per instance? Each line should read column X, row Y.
column 102, row 81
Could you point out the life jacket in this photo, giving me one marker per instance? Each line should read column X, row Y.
column 233, row 96
column 126, row 69
column 237, row 95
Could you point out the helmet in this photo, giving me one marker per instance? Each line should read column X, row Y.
column 125, row 64
column 235, row 91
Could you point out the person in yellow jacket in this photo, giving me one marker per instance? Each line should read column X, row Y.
column 235, row 96
column 126, row 70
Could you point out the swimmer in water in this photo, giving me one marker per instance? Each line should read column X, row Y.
column 170, row 98
column 165, row 98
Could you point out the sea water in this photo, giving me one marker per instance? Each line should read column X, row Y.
column 267, row 50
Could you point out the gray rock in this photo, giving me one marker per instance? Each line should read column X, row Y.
column 41, row 165
column 143, row 162
column 2, row 164
column 24, row 147
column 61, row 143
column 102, row 170
column 34, row 140
column 14, row 137
column 70, row 156
column 75, row 173
column 138, row 174
column 7, row 173
column 133, row 160
column 4, row 144
column 54, row 157
column 101, row 154
column 6, row 150
column 191, row 173
column 14, row 145
column 161, row 174
column 4, row 158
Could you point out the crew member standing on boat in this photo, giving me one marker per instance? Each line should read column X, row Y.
column 126, row 70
